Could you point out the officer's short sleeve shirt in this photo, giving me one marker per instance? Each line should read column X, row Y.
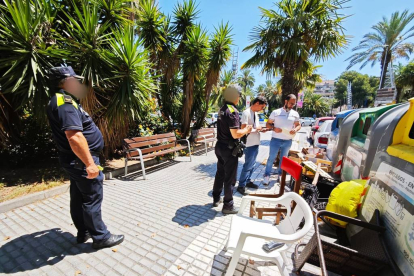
column 228, row 119
column 70, row 115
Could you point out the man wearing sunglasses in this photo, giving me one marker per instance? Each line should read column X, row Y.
column 285, row 123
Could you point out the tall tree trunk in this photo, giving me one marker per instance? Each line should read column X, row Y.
column 288, row 80
column 384, row 68
column 212, row 79
column 188, row 104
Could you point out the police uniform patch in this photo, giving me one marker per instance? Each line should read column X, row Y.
column 67, row 99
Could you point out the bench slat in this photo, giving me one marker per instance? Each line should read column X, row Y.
column 206, row 131
column 207, row 137
column 151, row 155
column 157, row 148
column 151, row 142
column 153, row 137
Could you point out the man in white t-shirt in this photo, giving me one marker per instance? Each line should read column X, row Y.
column 250, row 117
column 285, row 123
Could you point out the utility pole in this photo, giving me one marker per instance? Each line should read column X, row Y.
column 349, row 96
column 235, row 64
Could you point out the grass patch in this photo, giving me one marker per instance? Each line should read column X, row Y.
column 8, row 193
column 20, row 181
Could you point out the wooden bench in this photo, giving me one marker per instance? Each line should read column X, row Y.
column 152, row 146
column 206, row 136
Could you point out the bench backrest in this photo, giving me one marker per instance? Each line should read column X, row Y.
column 207, row 132
column 149, row 144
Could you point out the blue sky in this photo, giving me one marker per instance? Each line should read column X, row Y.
column 243, row 15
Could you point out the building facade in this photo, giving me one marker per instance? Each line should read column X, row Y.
column 325, row 88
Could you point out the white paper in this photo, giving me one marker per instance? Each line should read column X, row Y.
column 287, row 132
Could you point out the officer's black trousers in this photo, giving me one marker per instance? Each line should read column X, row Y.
column 86, row 197
column 226, row 174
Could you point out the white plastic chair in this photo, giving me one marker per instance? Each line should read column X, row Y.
column 247, row 235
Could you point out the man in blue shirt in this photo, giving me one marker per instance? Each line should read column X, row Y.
column 79, row 142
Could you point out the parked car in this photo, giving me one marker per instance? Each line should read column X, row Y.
column 317, row 124
column 322, row 134
column 211, row 119
column 306, row 121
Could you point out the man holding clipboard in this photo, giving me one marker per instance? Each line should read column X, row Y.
column 285, row 123
column 250, row 117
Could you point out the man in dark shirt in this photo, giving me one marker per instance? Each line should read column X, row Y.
column 79, row 142
column 228, row 131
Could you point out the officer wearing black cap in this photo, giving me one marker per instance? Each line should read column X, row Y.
column 228, row 135
column 79, row 142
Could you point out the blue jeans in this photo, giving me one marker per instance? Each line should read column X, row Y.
column 250, row 154
column 275, row 145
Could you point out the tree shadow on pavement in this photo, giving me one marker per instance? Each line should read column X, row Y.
column 194, row 215
column 207, row 169
column 39, row 249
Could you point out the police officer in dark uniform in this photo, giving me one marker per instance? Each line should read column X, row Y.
column 228, row 135
column 79, row 142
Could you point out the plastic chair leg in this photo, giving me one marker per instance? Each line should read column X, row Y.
column 236, row 256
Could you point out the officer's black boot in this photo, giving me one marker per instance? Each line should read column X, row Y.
column 230, row 210
column 217, row 203
column 112, row 241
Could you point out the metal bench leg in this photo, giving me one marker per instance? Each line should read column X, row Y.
column 143, row 168
column 205, row 144
column 126, row 166
column 142, row 163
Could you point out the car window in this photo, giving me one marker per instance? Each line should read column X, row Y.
column 215, row 115
column 320, row 123
column 325, row 127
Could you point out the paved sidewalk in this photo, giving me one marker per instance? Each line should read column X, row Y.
column 169, row 224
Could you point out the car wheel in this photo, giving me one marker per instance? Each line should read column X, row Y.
column 215, row 124
column 303, row 124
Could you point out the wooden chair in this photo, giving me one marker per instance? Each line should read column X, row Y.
column 288, row 167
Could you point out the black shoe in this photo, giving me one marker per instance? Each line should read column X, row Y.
column 217, row 203
column 252, row 185
column 83, row 238
column 242, row 190
column 112, row 241
column 230, row 211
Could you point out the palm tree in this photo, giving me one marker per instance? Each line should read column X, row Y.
column 195, row 56
column 28, row 50
column 87, row 38
column 246, row 79
column 314, row 104
column 219, row 54
column 387, row 43
column 130, row 86
column 404, row 79
column 297, row 32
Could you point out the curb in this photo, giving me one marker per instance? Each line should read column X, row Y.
column 30, row 198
